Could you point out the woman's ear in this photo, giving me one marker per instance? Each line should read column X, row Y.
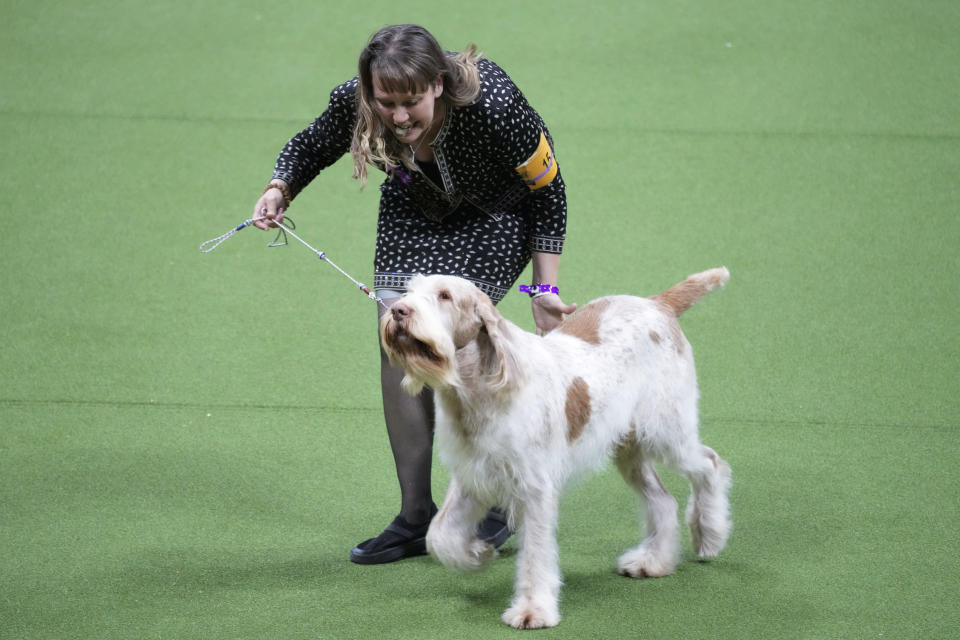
column 438, row 87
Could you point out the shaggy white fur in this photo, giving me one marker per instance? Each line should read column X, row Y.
column 518, row 414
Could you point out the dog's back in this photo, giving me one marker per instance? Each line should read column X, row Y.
column 615, row 322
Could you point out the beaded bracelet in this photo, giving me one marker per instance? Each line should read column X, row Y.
column 537, row 290
column 284, row 191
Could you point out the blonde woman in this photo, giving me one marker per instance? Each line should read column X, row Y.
column 471, row 188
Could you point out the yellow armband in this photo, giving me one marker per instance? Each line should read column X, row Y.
column 541, row 168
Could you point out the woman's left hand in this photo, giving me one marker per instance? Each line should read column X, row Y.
column 548, row 311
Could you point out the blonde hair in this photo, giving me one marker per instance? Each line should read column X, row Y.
column 405, row 58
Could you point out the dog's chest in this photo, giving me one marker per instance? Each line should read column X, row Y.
column 478, row 447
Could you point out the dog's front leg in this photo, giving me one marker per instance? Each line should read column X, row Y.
column 452, row 537
column 537, row 584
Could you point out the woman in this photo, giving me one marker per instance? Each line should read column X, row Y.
column 472, row 189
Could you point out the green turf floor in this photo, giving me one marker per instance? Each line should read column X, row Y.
column 190, row 444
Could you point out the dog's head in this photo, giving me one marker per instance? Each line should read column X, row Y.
column 439, row 316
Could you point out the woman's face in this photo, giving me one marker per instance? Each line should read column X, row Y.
column 409, row 116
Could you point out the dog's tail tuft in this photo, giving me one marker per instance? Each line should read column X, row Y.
column 684, row 295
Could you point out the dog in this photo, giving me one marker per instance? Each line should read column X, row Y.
column 518, row 414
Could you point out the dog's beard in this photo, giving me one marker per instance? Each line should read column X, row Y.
column 424, row 361
column 407, row 346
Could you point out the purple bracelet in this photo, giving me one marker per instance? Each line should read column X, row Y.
column 534, row 289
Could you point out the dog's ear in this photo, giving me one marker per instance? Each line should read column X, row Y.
column 469, row 324
column 497, row 356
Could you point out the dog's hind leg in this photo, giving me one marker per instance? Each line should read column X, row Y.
column 658, row 552
column 708, row 511
column 452, row 536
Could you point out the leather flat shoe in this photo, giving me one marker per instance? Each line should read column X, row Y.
column 398, row 541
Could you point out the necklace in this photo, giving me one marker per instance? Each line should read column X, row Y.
column 414, row 149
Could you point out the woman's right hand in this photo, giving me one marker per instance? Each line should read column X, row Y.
column 269, row 210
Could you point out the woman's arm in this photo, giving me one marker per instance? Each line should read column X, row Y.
column 548, row 309
column 315, row 148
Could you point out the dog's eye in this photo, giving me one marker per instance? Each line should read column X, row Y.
column 444, row 295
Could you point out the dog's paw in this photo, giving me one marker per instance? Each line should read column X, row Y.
column 476, row 555
column 479, row 555
column 640, row 563
column 527, row 615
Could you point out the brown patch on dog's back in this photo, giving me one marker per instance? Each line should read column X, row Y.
column 577, row 408
column 584, row 323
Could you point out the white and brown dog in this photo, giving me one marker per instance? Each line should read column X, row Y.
column 518, row 414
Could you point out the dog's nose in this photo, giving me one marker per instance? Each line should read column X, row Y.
column 400, row 310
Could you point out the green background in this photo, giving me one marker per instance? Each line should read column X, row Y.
column 190, row 444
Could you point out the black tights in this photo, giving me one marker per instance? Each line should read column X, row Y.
column 410, row 423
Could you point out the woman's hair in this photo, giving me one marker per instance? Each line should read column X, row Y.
column 405, row 58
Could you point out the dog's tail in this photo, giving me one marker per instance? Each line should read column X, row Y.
column 684, row 295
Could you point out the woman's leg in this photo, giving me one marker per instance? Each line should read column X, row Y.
column 410, row 428
column 410, row 424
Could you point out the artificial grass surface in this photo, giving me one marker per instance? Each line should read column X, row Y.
column 190, row 445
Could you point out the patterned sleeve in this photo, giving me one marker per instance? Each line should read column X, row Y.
column 322, row 143
column 524, row 141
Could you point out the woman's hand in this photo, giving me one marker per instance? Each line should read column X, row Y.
column 548, row 308
column 269, row 210
column 548, row 311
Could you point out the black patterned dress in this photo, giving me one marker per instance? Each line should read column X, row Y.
column 494, row 195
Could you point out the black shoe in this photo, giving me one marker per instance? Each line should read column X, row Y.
column 494, row 528
column 398, row 541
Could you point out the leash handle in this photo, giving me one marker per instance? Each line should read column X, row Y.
column 210, row 245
